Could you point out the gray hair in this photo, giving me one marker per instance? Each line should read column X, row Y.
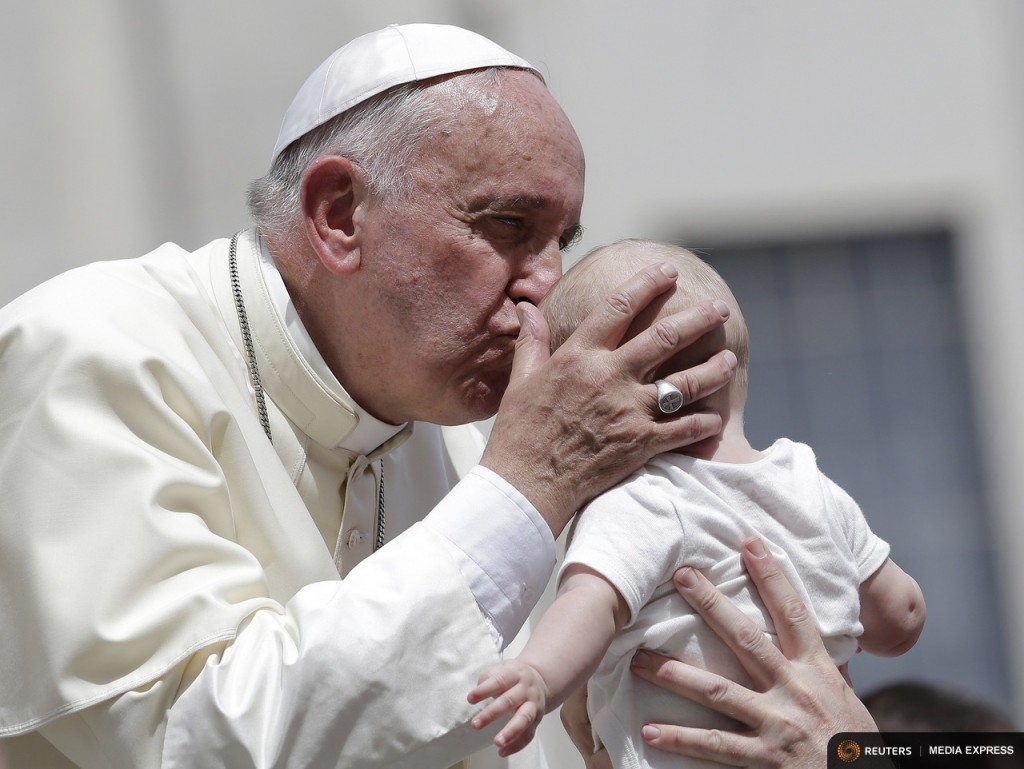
column 379, row 135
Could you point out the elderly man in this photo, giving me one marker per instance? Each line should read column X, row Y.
column 195, row 446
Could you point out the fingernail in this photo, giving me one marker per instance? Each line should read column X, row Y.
column 686, row 578
column 722, row 307
column 668, row 270
column 642, row 660
column 650, row 732
column 756, row 548
column 730, row 359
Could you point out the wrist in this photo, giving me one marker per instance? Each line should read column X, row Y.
column 540, row 486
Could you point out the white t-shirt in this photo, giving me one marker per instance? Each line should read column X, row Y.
column 684, row 511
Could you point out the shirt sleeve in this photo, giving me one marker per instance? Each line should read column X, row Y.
column 633, row 536
column 503, row 547
column 868, row 549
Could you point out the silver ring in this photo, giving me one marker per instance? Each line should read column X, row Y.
column 670, row 397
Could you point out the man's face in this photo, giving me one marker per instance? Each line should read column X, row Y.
column 493, row 202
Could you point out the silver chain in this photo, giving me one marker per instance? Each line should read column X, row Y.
column 257, row 384
column 380, row 509
column 250, row 352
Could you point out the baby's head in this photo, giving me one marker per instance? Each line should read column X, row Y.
column 605, row 268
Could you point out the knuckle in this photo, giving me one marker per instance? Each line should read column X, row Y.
column 749, row 638
column 713, row 741
column 806, row 698
column 526, row 716
column 794, row 610
column 665, row 335
column 620, row 303
column 504, row 679
column 690, row 387
column 694, row 427
column 706, row 602
column 509, row 701
column 716, row 690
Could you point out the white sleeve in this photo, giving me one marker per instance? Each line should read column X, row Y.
column 369, row 672
column 869, row 551
column 633, row 536
column 504, row 549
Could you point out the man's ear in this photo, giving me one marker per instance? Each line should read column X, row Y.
column 333, row 193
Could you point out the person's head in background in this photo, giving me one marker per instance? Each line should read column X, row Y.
column 914, row 706
column 604, row 268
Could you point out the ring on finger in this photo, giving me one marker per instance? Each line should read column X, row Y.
column 670, row 397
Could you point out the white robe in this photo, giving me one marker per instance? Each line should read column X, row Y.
column 157, row 550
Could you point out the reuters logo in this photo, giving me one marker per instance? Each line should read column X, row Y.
column 848, row 751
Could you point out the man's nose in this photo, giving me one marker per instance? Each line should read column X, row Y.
column 538, row 275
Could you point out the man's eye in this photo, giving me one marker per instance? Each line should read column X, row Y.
column 511, row 222
column 508, row 229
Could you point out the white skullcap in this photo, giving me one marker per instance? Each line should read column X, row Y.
column 379, row 60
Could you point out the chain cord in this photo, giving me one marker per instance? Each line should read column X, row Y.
column 257, row 384
column 250, row 352
column 380, row 509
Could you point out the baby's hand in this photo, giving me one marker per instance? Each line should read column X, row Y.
column 515, row 686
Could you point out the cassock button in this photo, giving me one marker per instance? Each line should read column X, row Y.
column 355, row 539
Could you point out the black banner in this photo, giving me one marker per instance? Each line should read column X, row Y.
column 911, row 750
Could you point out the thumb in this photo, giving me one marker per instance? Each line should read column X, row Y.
column 533, row 345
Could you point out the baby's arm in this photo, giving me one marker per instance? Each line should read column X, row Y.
column 892, row 611
column 560, row 656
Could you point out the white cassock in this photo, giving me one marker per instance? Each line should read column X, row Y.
column 171, row 592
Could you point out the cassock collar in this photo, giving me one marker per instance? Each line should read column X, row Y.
column 294, row 373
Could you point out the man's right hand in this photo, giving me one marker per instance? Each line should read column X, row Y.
column 576, row 722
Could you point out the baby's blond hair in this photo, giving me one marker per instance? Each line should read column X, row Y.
column 605, row 268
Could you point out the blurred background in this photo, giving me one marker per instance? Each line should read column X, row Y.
column 855, row 169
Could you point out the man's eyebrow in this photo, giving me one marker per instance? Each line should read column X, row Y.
column 512, row 203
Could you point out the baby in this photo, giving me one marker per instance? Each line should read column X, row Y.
column 694, row 507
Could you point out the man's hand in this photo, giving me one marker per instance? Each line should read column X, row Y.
column 577, row 725
column 800, row 700
column 516, row 688
column 575, row 423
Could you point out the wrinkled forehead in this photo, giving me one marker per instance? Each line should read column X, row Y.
column 509, row 147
